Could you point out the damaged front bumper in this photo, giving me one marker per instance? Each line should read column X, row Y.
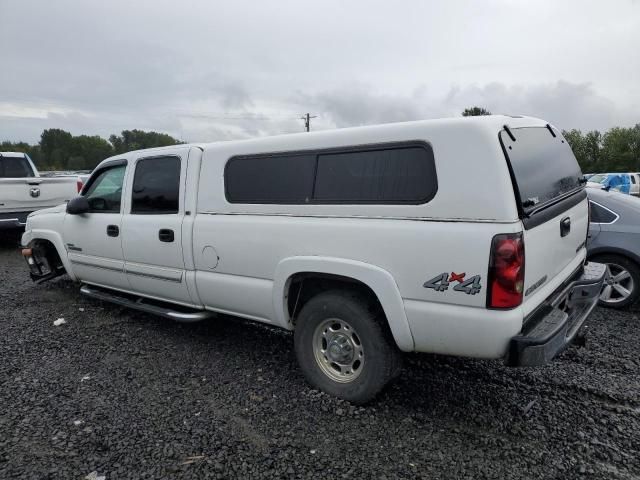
column 556, row 323
column 41, row 266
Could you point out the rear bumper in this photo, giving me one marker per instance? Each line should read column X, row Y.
column 553, row 326
column 13, row 220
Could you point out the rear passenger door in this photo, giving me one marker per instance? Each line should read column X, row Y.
column 152, row 226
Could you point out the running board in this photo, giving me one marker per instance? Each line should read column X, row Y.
column 166, row 310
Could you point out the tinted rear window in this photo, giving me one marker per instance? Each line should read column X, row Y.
column 15, row 167
column 544, row 166
column 156, row 186
column 600, row 214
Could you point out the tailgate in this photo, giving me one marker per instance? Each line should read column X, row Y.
column 552, row 202
column 554, row 244
column 34, row 193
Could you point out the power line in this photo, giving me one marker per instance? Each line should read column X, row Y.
column 307, row 120
column 247, row 116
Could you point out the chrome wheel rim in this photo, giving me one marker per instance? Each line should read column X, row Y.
column 618, row 284
column 338, row 350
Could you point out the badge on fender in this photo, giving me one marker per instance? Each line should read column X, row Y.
column 440, row 283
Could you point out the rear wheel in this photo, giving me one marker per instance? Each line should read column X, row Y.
column 344, row 346
column 622, row 284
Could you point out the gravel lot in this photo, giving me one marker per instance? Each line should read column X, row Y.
column 129, row 395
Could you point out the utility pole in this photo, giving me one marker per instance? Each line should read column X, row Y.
column 307, row 120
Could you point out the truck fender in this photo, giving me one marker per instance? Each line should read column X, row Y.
column 377, row 279
column 56, row 240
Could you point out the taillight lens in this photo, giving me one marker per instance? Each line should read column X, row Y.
column 79, row 185
column 506, row 271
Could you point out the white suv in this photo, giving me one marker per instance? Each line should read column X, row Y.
column 459, row 237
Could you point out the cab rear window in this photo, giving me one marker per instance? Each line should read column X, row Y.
column 543, row 165
column 15, row 167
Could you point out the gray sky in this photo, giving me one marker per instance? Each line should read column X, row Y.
column 209, row 70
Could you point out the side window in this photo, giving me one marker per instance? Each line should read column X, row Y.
column 156, row 186
column 633, row 179
column 270, row 179
column 105, row 191
column 394, row 175
column 600, row 214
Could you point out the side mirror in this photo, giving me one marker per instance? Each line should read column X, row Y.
column 607, row 188
column 77, row 206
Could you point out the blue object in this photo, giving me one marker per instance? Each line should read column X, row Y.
column 620, row 182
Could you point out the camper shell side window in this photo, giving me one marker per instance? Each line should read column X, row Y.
column 395, row 173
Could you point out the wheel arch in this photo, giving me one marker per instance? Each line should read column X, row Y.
column 614, row 251
column 376, row 279
column 54, row 238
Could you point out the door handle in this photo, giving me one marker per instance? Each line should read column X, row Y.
column 113, row 230
column 565, row 226
column 166, row 235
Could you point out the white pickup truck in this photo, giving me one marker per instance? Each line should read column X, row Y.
column 459, row 237
column 23, row 191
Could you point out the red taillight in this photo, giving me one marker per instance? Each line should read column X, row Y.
column 79, row 185
column 506, row 271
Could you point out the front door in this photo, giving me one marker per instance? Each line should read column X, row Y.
column 93, row 240
column 152, row 227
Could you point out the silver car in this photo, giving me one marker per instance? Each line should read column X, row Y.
column 614, row 239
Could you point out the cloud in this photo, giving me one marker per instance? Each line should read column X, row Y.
column 565, row 104
column 358, row 104
column 216, row 70
column 226, row 111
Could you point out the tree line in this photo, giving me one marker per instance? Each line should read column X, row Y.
column 616, row 150
column 60, row 150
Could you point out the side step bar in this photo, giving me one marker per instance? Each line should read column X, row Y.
column 167, row 310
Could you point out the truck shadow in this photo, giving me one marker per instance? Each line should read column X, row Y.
column 10, row 239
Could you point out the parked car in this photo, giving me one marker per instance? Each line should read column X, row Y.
column 614, row 239
column 634, row 188
column 23, row 191
column 364, row 241
column 620, row 182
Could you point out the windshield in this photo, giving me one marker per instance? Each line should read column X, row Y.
column 599, row 178
column 544, row 167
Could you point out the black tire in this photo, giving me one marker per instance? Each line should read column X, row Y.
column 381, row 357
column 630, row 266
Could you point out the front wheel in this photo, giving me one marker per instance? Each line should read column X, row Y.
column 344, row 346
column 622, row 284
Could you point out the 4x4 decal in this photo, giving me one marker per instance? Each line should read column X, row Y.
column 440, row 283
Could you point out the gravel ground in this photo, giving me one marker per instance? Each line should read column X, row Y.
column 129, row 395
